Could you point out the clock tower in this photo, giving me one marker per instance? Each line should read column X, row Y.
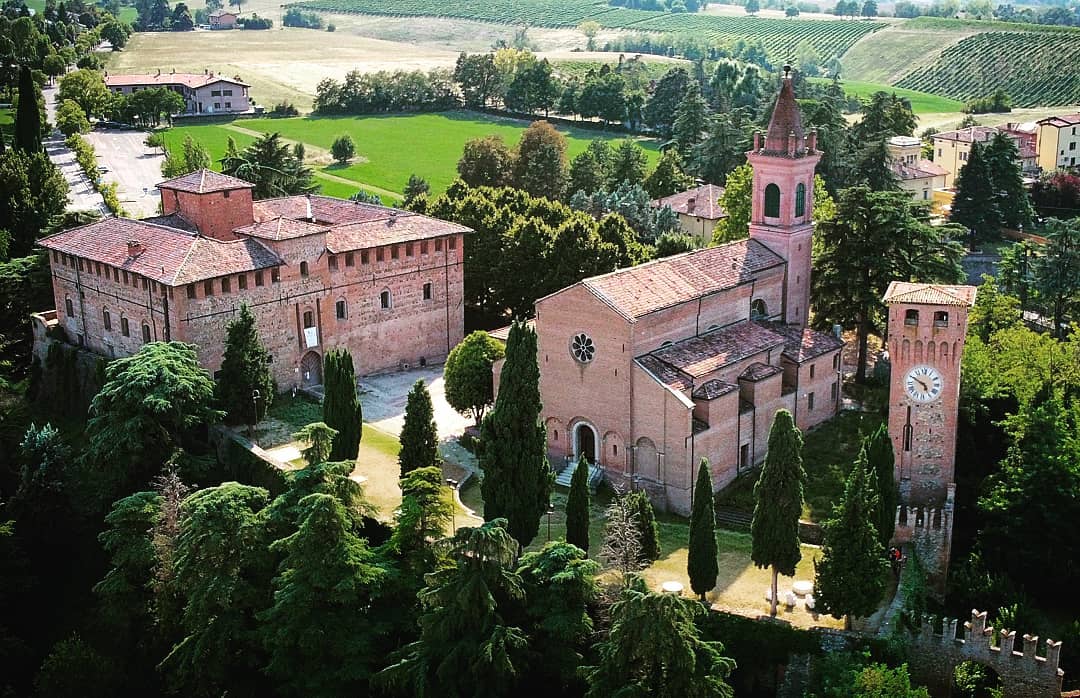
column 927, row 325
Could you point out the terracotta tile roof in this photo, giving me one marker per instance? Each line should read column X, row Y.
column 930, row 294
column 803, row 344
column 404, row 227
column 968, row 135
column 637, row 291
column 171, row 256
column 203, row 182
column 710, row 390
column 918, row 170
column 190, row 80
column 173, row 220
column 703, row 201
column 758, row 371
column 324, row 209
column 667, row 375
column 503, row 333
column 1061, row 121
column 281, row 228
column 785, row 120
column 222, row 13
column 701, row 355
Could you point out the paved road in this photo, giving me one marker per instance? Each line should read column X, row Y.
column 134, row 166
column 81, row 195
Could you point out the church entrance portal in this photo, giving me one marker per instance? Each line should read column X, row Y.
column 585, row 442
column 310, row 370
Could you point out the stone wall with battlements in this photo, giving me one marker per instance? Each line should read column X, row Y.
column 929, row 532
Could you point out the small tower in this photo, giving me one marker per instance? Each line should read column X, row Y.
column 781, row 214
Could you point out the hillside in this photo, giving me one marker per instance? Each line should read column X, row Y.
column 780, row 36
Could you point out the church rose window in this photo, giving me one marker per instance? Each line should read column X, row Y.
column 772, row 201
column 582, row 347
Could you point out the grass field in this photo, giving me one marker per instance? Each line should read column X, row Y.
column 434, row 143
column 921, row 102
column 888, row 55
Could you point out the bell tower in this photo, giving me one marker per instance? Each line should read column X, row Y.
column 781, row 211
column 927, row 325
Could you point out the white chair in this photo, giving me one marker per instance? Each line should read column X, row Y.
column 809, row 602
column 790, row 600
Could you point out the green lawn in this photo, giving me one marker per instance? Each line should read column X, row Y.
column 213, row 136
column 828, row 453
column 921, row 102
column 390, row 148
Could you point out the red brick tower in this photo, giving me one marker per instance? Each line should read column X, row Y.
column 781, row 214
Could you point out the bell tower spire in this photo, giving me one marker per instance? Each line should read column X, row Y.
column 781, row 212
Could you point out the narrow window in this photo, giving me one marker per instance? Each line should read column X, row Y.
column 69, row 307
column 364, row 257
column 451, row 243
column 810, row 402
column 408, row 249
column 116, row 275
column 55, row 257
column 438, row 245
column 125, row 328
column 208, row 287
column 331, row 262
column 145, row 333
column 309, row 319
column 226, row 286
column 79, row 260
column 340, row 309
column 832, row 391
column 800, row 200
column 241, row 281
column 379, row 255
column 259, row 278
column 811, row 370
column 303, row 269
column 126, row 279
column 384, row 300
column 423, row 247
column 836, row 362
column 349, row 260
column 275, row 275
column 941, row 319
column 226, row 193
column 772, row 201
column 106, row 319
column 393, row 252
column 911, row 317
column 427, row 291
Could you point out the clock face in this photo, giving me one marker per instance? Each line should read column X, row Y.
column 924, row 384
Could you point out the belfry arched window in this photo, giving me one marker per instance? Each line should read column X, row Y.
column 772, row 201
column 800, row 200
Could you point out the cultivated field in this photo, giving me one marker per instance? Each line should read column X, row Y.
column 434, row 145
column 890, row 54
column 921, row 102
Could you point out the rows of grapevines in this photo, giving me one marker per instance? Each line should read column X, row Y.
column 1034, row 68
column 780, row 36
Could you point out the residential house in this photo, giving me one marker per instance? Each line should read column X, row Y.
column 1059, row 142
column 203, row 93
column 698, row 209
column 223, row 19
column 916, row 175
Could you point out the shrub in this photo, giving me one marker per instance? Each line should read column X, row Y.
column 285, row 109
column 331, row 27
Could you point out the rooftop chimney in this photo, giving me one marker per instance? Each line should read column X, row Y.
column 691, row 203
column 135, row 248
column 310, row 216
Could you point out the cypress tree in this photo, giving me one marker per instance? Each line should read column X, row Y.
column 880, row 459
column 975, row 205
column 419, row 438
column 244, row 369
column 577, row 507
column 28, row 116
column 513, row 442
column 850, row 577
column 341, row 406
column 701, row 561
column 778, row 497
column 645, row 519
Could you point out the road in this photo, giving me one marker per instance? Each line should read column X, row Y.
column 81, row 195
column 134, row 166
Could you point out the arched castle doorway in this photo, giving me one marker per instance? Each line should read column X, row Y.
column 311, row 369
column 586, row 441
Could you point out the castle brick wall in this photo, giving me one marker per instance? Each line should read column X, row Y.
column 216, row 214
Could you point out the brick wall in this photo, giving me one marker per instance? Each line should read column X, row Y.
column 215, row 214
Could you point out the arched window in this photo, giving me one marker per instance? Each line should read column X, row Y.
column 800, row 200
column 758, row 310
column 941, row 318
column 145, row 333
column 106, row 318
column 303, row 269
column 69, row 307
column 911, row 317
column 385, row 302
column 340, row 309
column 772, row 201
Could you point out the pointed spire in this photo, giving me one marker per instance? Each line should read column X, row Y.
column 786, row 121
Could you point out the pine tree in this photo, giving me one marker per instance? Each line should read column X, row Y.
column 28, row 115
column 341, row 406
column 975, row 205
column 691, row 120
column 668, row 178
column 849, row 579
column 513, row 442
column 778, row 497
column 880, row 459
column 577, row 507
column 244, row 370
column 1004, row 163
column 416, row 187
column 701, row 561
column 419, row 438
column 645, row 519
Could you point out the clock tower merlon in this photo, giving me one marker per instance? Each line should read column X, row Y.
column 927, row 325
column 782, row 201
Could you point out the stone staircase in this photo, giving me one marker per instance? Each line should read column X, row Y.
column 596, row 474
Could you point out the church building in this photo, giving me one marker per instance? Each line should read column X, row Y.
column 318, row 273
column 649, row 369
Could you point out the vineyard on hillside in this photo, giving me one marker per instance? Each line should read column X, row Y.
column 1034, row 68
column 780, row 36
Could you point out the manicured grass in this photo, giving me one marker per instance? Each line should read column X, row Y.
column 921, row 102
column 828, row 453
column 212, row 136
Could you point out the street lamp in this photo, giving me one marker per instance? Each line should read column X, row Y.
column 550, row 511
column 255, row 395
column 453, row 484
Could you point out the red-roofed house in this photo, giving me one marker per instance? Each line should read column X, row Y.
column 223, row 19
column 649, row 369
column 203, row 93
column 319, row 273
column 698, row 209
column 915, row 174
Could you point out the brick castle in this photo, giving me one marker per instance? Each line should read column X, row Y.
column 317, row 272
